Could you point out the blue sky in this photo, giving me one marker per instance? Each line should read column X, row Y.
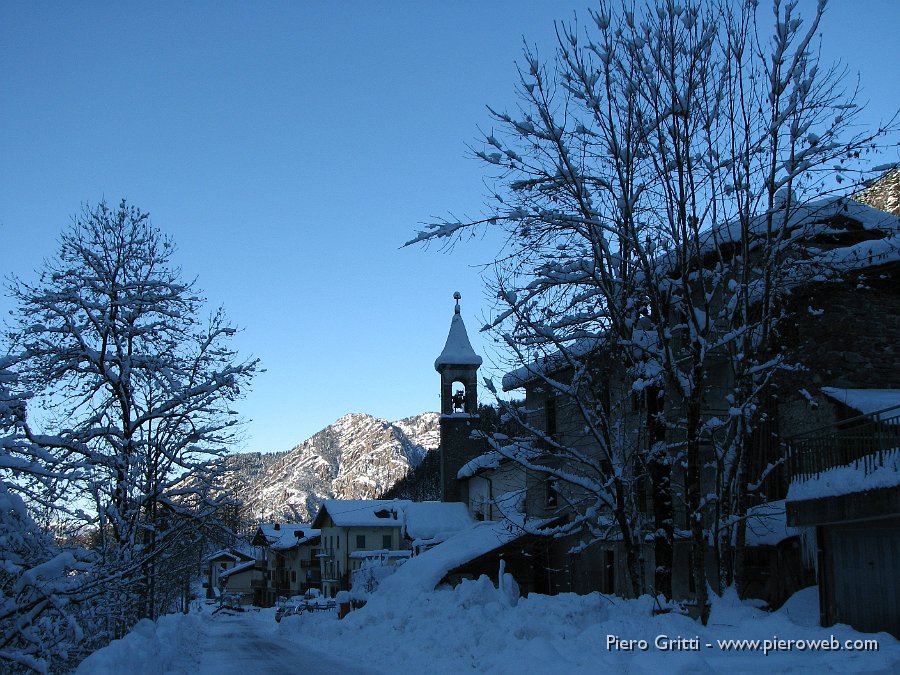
column 290, row 148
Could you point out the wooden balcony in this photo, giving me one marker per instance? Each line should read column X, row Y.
column 864, row 441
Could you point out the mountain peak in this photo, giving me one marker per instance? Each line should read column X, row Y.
column 357, row 457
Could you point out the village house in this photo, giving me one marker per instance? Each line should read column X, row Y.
column 289, row 560
column 356, row 531
column 244, row 582
column 216, row 563
column 490, row 482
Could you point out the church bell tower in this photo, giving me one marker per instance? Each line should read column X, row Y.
column 458, row 366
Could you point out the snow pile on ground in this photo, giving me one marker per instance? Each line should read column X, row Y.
column 150, row 648
column 478, row 628
column 424, row 572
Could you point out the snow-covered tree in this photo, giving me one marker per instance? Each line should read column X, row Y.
column 132, row 394
column 40, row 628
column 645, row 183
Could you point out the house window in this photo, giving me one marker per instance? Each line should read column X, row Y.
column 360, row 541
column 550, row 488
column 550, row 416
column 338, row 541
column 293, row 576
column 386, row 541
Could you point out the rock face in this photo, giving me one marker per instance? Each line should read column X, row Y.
column 357, row 457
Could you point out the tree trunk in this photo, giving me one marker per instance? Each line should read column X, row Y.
column 659, row 467
column 694, row 495
column 632, row 553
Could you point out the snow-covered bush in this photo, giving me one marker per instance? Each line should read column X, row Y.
column 369, row 576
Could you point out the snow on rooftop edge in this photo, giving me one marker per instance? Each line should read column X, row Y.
column 418, row 520
column 489, row 460
column 806, row 220
column 866, row 401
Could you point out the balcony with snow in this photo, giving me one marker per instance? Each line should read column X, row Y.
column 845, row 488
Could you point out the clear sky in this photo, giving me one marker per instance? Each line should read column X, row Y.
column 290, row 148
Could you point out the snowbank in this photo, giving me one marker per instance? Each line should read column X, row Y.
column 425, row 571
column 149, row 649
column 476, row 628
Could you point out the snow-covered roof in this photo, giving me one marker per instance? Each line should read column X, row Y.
column 834, row 215
column 360, row 513
column 489, row 460
column 866, row 401
column 227, row 554
column 426, row 570
column 237, row 568
column 513, row 451
column 458, row 350
column 435, row 520
column 283, row 536
column 417, row 520
column 807, row 222
column 549, row 363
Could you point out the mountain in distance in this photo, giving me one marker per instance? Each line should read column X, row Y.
column 357, row 457
column 884, row 193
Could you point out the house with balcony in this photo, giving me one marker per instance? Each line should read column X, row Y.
column 289, row 560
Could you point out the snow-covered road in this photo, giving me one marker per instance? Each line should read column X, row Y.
column 247, row 644
column 203, row 643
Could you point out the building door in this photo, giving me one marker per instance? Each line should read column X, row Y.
column 866, row 575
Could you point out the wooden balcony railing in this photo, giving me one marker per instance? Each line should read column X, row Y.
column 864, row 441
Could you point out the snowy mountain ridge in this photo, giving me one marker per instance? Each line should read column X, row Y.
column 884, row 193
column 357, row 457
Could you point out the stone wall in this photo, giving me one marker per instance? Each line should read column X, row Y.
column 843, row 335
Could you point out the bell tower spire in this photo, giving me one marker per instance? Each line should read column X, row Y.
column 458, row 366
